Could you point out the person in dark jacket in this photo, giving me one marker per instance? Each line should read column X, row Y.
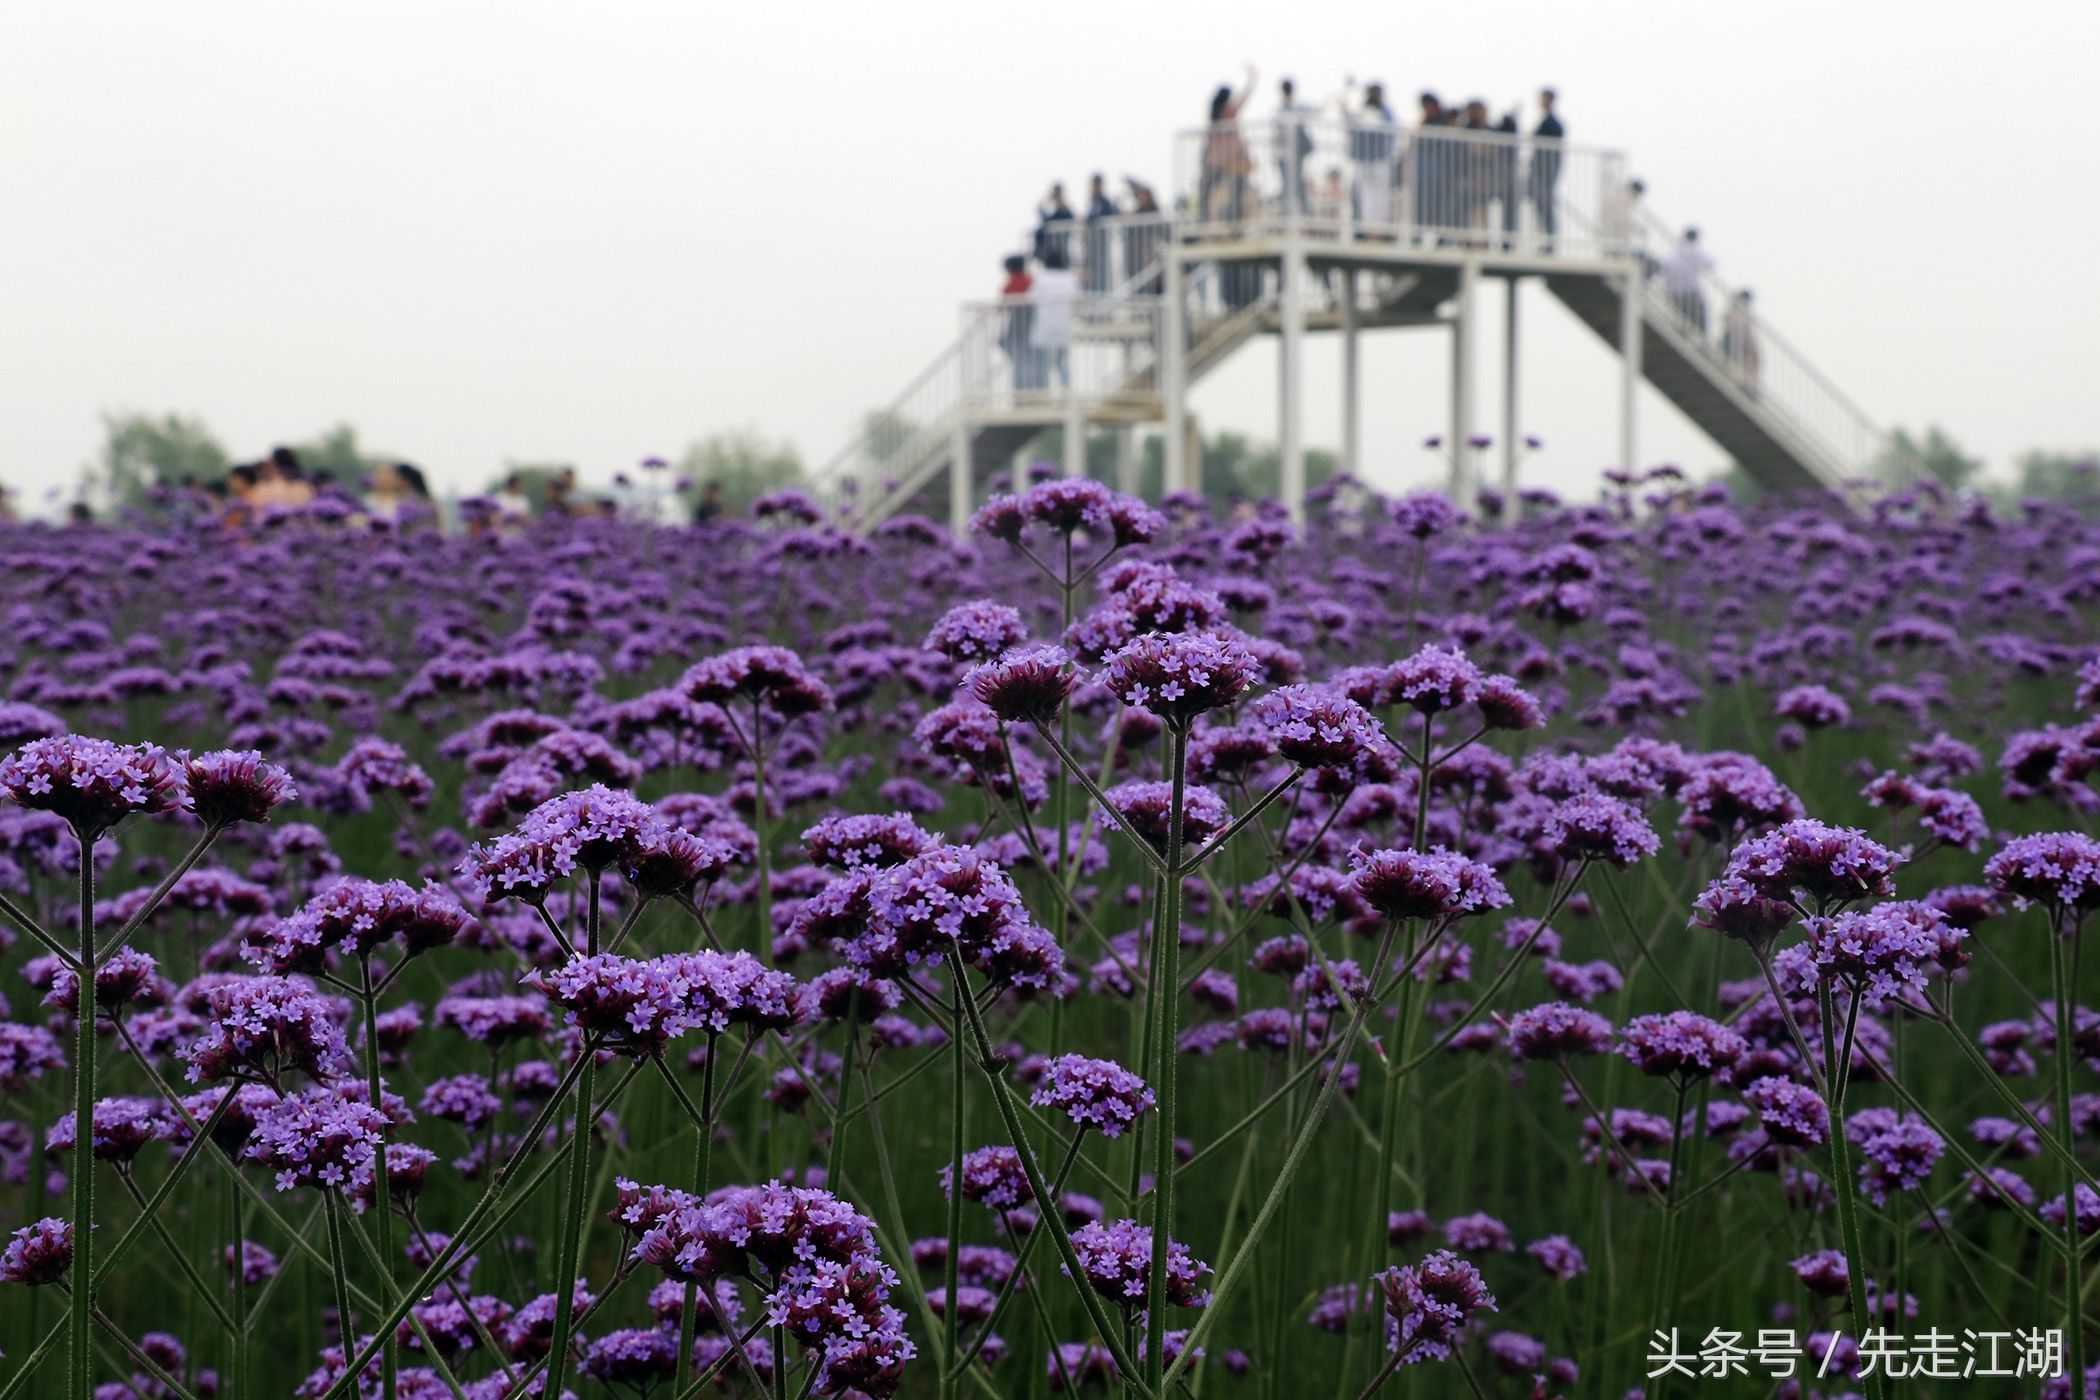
column 1545, row 165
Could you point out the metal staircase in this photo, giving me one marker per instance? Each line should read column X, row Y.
column 1453, row 207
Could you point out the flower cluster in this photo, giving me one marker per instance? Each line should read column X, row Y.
column 1098, row 1094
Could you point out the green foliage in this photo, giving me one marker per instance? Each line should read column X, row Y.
column 336, row 455
column 1935, row 453
column 2043, row 473
column 745, row 465
column 140, row 451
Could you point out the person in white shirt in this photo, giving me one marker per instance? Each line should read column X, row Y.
column 1294, row 142
column 1054, row 291
column 1683, row 272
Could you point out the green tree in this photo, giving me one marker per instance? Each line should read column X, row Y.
column 745, row 465
column 2043, row 473
column 336, row 455
column 140, row 451
column 1936, row 454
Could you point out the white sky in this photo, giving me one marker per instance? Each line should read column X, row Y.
column 595, row 230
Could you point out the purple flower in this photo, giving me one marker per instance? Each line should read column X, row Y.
column 1733, row 906
column 1025, row 686
column 1428, row 1304
column 1814, row 707
column 1832, row 865
column 1115, row 1259
column 1145, row 810
column 1098, row 1094
column 629, row 1002
column 26, row 1053
column 38, row 1253
column 1181, row 675
column 716, row 991
column 1897, row 1158
column 1559, row 1257
column 92, row 783
column 1592, row 827
column 585, row 831
column 1681, row 1045
column 2059, row 870
column 1432, row 681
column 978, row 631
column 1883, row 950
column 1315, row 727
column 866, row 842
column 318, row 1138
column 265, row 1027
column 1432, row 884
column 230, row 786
column 771, row 677
column 992, row 1177
column 1824, row 1273
column 1554, row 1030
column 1793, row 1115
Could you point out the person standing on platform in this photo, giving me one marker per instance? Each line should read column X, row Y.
column 1546, row 159
column 1684, row 273
column 1099, row 267
column 1372, row 146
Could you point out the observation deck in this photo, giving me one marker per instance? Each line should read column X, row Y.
column 1296, row 224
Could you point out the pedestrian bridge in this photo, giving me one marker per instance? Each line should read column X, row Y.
column 1293, row 225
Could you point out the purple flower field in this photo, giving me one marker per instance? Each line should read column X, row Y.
column 1117, row 952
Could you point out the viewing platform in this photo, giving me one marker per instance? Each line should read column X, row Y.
column 1296, row 224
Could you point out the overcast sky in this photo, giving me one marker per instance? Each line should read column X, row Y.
column 595, row 230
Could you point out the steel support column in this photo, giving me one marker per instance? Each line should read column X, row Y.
column 1462, row 328
column 1173, row 374
column 960, row 481
column 1511, row 445
column 1629, row 366
column 1290, row 380
column 1352, row 421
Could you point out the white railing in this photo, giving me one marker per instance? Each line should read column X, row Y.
column 1037, row 355
column 1331, row 177
column 1116, row 255
column 1722, row 328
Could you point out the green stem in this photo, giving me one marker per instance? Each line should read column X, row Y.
column 1046, row 1203
column 1836, row 1073
column 2066, row 1052
column 1165, row 994
column 339, row 1265
column 958, row 1104
column 575, row 1208
column 382, row 1183
column 82, row 1302
column 1228, row 1281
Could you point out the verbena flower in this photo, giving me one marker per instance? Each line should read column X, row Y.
column 1681, row 1045
column 769, row 676
column 977, row 631
column 38, row 1253
column 1028, row 685
column 229, row 786
column 856, row 842
column 1428, row 1305
column 1432, row 884
column 2059, row 870
column 92, row 783
column 1555, row 1030
column 1793, row 1115
column 992, row 1177
column 265, row 1027
column 1145, row 809
column 1883, row 950
column 317, row 1138
column 1115, row 1260
column 1179, row 676
column 1098, row 1094
column 1316, row 728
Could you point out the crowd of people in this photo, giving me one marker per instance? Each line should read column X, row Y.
column 1433, row 181
column 388, row 496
